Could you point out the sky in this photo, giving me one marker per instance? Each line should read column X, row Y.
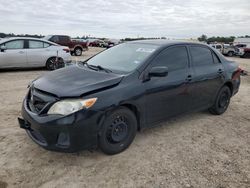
column 128, row 18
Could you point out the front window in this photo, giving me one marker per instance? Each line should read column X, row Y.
column 124, row 57
column 16, row 44
column 174, row 58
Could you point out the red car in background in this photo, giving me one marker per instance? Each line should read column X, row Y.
column 243, row 50
column 76, row 47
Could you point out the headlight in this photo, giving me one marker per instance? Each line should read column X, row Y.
column 69, row 106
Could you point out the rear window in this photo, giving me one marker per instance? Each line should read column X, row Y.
column 201, row 55
column 33, row 44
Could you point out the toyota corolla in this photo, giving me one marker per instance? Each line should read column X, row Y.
column 103, row 101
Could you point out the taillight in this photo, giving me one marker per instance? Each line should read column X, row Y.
column 237, row 73
column 66, row 50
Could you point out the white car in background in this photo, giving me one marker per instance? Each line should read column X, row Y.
column 20, row 52
column 218, row 47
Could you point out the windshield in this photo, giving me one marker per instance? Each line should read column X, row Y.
column 124, row 57
column 47, row 37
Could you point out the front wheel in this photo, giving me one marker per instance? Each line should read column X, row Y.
column 118, row 131
column 222, row 101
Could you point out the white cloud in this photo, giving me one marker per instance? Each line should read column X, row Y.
column 112, row 18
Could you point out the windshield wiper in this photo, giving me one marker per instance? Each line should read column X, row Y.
column 90, row 66
column 97, row 67
column 102, row 68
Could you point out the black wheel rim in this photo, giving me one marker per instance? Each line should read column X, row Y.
column 51, row 64
column 78, row 52
column 55, row 64
column 117, row 130
column 224, row 100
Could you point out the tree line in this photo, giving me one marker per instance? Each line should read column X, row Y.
column 204, row 38
column 3, row 35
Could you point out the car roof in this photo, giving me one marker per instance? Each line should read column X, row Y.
column 164, row 42
column 27, row 38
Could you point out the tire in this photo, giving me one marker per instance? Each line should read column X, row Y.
column 118, row 131
column 230, row 54
column 50, row 64
column 78, row 51
column 222, row 101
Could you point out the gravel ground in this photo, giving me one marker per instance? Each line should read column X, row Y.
column 195, row 150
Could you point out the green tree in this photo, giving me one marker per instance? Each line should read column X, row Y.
column 203, row 38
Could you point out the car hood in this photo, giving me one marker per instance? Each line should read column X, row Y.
column 75, row 81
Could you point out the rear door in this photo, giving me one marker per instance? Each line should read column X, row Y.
column 14, row 55
column 38, row 53
column 208, row 75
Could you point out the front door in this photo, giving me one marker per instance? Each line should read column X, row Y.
column 171, row 95
column 15, row 54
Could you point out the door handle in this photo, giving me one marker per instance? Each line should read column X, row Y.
column 189, row 78
column 220, row 71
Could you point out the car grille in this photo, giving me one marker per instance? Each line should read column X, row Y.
column 39, row 101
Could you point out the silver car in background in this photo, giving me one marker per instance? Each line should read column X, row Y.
column 21, row 52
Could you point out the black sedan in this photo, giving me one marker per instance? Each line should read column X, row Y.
column 105, row 100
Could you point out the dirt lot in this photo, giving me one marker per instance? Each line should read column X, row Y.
column 195, row 150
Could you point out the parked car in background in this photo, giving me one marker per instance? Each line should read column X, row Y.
column 112, row 42
column 225, row 49
column 218, row 47
column 76, row 47
column 93, row 42
column 98, row 43
column 105, row 100
column 31, row 52
column 102, row 44
column 229, row 50
column 243, row 50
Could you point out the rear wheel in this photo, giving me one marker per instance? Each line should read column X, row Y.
column 222, row 101
column 118, row 131
column 78, row 51
column 54, row 63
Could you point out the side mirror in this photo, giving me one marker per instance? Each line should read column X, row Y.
column 3, row 48
column 158, row 72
